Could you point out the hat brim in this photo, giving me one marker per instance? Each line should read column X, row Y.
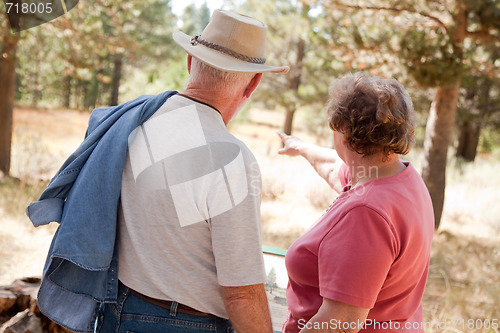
column 220, row 60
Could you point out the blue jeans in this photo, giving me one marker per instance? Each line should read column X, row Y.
column 132, row 314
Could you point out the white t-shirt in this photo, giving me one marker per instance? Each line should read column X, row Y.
column 189, row 219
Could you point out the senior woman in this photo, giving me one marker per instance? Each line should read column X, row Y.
column 363, row 265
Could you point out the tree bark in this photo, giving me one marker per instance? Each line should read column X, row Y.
column 289, row 121
column 294, row 80
column 37, row 92
column 437, row 139
column 79, row 98
column 91, row 92
column 117, row 75
column 470, row 127
column 468, row 140
column 67, row 92
column 7, row 95
column 440, row 123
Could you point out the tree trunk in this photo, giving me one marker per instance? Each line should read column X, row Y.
column 289, row 121
column 7, row 95
column 470, row 128
column 440, row 124
column 437, row 139
column 80, row 87
column 117, row 74
column 37, row 92
column 468, row 140
column 294, row 79
column 67, row 92
column 91, row 92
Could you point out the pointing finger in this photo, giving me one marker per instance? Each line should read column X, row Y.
column 281, row 134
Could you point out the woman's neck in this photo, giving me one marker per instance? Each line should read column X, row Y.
column 366, row 168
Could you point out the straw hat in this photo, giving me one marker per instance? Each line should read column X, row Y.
column 230, row 42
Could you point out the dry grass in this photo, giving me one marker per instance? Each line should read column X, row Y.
column 464, row 281
column 41, row 141
column 464, row 277
column 22, row 247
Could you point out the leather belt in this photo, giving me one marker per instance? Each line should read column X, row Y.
column 168, row 305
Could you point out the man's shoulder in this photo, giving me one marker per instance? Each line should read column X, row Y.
column 151, row 104
column 246, row 152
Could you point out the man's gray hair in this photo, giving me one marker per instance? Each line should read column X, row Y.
column 216, row 79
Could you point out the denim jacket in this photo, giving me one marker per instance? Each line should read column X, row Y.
column 81, row 267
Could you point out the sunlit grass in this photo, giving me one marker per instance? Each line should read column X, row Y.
column 22, row 248
column 472, row 196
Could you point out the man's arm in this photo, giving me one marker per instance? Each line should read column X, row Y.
column 247, row 308
column 325, row 161
column 336, row 317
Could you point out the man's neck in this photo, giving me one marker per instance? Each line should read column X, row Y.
column 226, row 105
column 198, row 101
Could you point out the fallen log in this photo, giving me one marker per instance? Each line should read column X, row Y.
column 19, row 312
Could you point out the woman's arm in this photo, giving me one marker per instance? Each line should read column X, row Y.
column 325, row 161
column 336, row 317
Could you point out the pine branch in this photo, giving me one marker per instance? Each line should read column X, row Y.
column 393, row 9
column 483, row 36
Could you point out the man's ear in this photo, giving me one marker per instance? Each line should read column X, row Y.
column 189, row 59
column 252, row 85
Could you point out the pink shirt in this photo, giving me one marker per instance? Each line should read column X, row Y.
column 370, row 249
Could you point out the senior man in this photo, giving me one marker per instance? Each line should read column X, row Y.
column 182, row 198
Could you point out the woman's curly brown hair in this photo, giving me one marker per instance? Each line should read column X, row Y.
column 374, row 114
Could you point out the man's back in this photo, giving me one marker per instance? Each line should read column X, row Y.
column 189, row 217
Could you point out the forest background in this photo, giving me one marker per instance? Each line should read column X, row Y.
column 445, row 52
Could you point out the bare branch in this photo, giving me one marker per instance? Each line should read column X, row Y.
column 393, row 9
column 488, row 69
column 483, row 37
